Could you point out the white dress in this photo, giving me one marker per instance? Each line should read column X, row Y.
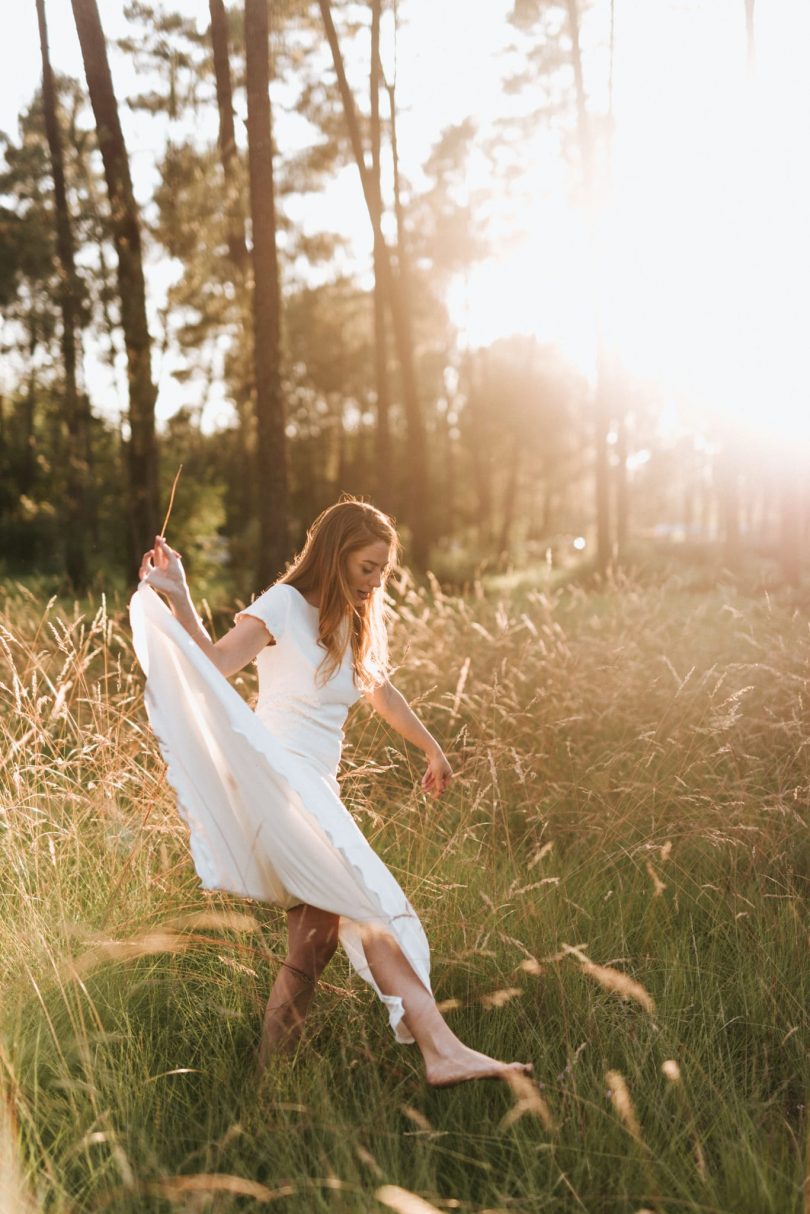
column 258, row 790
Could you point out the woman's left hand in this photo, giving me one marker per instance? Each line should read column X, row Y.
column 162, row 569
column 438, row 775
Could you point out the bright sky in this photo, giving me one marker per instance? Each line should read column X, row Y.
column 706, row 257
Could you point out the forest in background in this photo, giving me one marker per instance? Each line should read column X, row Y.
column 339, row 376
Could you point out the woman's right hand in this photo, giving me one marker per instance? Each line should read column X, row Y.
column 162, row 569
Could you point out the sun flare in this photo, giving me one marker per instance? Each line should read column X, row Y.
column 701, row 257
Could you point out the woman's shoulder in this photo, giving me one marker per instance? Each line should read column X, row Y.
column 279, row 592
column 296, row 600
column 273, row 607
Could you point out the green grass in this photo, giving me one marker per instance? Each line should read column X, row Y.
column 632, row 782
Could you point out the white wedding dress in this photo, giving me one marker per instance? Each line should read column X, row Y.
column 258, row 790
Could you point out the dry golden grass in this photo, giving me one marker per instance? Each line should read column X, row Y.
column 632, row 775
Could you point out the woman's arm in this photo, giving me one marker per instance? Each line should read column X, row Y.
column 395, row 709
column 162, row 569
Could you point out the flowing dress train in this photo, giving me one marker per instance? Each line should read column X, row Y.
column 258, row 790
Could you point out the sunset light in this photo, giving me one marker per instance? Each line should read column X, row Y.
column 405, row 606
column 701, row 256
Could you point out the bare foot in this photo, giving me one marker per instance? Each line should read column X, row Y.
column 281, row 1036
column 279, row 1049
column 465, row 1064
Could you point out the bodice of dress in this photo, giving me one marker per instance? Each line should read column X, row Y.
column 303, row 713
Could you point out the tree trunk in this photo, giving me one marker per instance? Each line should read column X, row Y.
column 510, row 498
column 237, row 247
column 383, row 438
column 481, row 454
column 28, row 444
column 790, row 528
column 622, row 493
column 237, row 244
column 547, row 511
column 419, row 504
column 601, row 457
column 142, row 460
column 729, row 502
column 583, row 124
column 403, row 275
column 601, row 403
column 271, row 449
column 750, row 41
column 76, row 421
column 445, row 526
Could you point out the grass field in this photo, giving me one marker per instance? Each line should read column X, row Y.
column 615, row 888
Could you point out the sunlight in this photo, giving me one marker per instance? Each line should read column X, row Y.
column 703, row 257
column 534, row 290
column 705, row 251
column 535, row 284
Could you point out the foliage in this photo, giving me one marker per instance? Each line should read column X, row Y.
column 511, row 450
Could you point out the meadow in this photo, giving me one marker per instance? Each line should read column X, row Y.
column 615, row 887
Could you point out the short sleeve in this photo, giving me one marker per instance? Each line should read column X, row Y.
column 272, row 608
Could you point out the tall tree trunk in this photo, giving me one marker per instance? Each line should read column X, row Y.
column 402, row 254
column 480, row 450
column 237, row 246
column 446, row 524
column 271, row 448
column 342, row 456
column 622, row 487
column 142, row 455
column 76, row 421
column 601, row 402
column 750, row 40
column 383, row 438
column 729, row 504
column 28, row 445
column 510, row 498
column 790, row 531
column 419, row 503
column 547, row 510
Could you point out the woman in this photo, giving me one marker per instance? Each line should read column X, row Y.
column 259, row 790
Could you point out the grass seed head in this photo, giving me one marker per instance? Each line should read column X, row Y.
column 618, row 983
column 499, row 998
column 403, row 1201
column 174, row 1187
column 658, row 885
column 622, row 1103
column 145, row 945
column 671, row 1070
column 417, row 1118
column 368, row 1160
column 527, row 1100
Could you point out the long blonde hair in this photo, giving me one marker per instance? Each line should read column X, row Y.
column 320, row 570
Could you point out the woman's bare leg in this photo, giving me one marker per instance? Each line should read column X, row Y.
column 312, row 940
column 447, row 1060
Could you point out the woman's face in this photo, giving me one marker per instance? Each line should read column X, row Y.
column 366, row 569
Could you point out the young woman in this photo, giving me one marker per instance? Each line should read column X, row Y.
column 259, row 790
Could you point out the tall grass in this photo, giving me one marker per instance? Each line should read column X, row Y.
column 615, row 888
